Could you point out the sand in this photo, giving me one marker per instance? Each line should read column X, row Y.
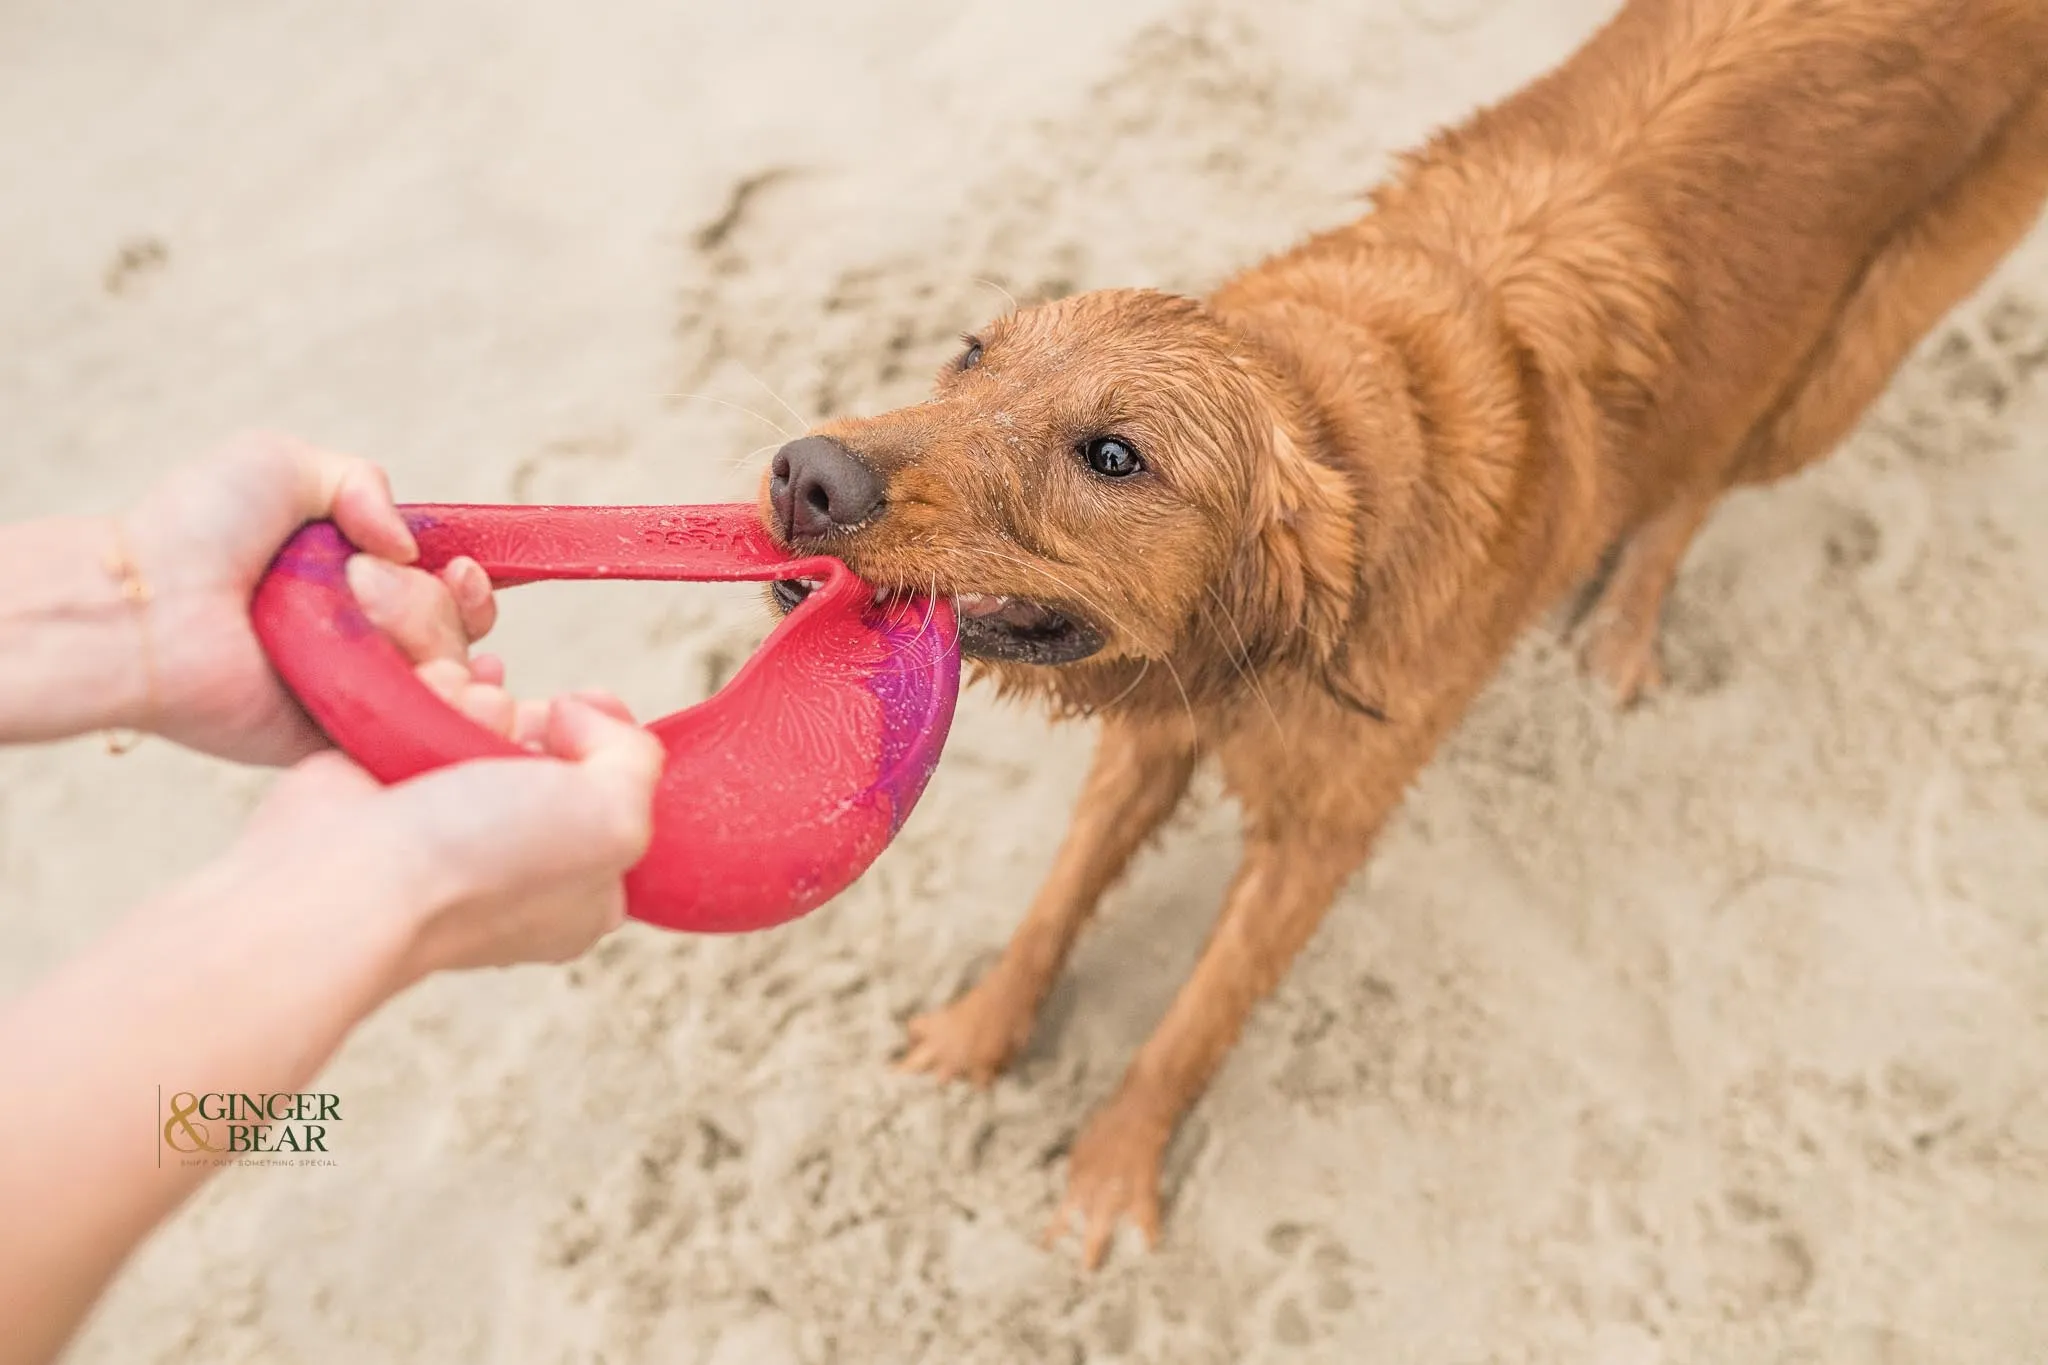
column 1716, row 1032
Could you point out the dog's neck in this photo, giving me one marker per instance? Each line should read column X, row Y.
column 1471, row 441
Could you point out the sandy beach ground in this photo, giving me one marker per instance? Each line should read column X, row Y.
column 1715, row 1033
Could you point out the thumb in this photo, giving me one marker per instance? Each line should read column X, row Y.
column 495, row 824
column 621, row 759
column 281, row 482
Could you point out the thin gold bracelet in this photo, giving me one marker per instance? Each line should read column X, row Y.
column 135, row 590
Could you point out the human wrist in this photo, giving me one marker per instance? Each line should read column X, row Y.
column 74, row 623
column 337, row 919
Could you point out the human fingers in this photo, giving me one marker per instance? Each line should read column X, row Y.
column 607, row 703
column 357, row 495
column 415, row 608
column 623, row 759
column 487, row 704
column 531, row 728
column 475, row 604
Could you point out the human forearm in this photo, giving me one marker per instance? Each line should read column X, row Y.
column 246, row 980
column 243, row 981
column 72, row 648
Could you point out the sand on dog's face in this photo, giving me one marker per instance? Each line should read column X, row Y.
column 1676, row 1037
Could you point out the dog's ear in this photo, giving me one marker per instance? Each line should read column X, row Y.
column 1290, row 592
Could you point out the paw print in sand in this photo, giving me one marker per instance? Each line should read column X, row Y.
column 1313, row 1292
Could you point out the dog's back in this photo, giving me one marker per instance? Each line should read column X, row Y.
column 1677, row 215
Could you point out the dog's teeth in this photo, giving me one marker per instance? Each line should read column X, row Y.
column 979, row 604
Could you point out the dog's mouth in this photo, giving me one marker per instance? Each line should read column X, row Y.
column 1011, row 630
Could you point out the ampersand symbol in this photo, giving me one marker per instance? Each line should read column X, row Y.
column 182, row 1107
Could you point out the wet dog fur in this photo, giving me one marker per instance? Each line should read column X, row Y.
column 1686, row 260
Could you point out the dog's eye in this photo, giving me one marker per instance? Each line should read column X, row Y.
column 1111, row 458
column 970, row 357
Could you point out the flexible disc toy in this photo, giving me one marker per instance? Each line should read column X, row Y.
column 777, row 792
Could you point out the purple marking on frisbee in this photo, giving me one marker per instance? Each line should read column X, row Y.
column 908, row 697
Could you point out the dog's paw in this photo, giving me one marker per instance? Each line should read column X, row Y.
column 1620, row 655
column 973, row 1039
column 1112, row 1176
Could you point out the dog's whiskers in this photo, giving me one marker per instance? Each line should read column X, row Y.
column 1142, row 671
column 787, row 407
column 739, row 460
column 1243, row 665
column 1094, row 606
column 768, row 422
column 931, row 611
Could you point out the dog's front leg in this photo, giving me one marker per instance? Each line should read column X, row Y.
column 1280, row 894
column 1140, row 773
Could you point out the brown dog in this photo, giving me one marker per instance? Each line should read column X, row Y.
column 1297, row 527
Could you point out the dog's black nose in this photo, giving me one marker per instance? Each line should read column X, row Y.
column 818, row 487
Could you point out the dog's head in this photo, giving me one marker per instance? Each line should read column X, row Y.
column 1098, row 483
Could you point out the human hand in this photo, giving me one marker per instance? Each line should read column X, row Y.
column 434, row 619
column 503, row 860
column 200, row 542
column 486, row 863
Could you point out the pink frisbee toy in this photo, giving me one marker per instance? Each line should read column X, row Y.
column 778, row 791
